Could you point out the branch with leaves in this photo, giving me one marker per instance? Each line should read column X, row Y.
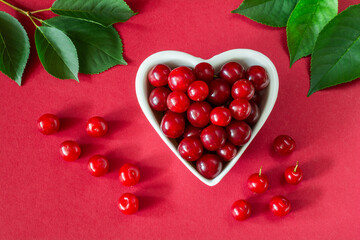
column 80, row 40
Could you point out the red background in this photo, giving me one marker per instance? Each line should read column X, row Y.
column 44, row 197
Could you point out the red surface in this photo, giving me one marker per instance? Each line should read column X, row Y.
column 45, row 197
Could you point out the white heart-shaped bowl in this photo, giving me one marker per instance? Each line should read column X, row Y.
column 245, row 57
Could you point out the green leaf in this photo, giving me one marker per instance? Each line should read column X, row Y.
column 305, row 23
column 104, row 12
column 57, row 53
column 14, row 47
column 274, row 13
column 99, row 48
column 336, row 55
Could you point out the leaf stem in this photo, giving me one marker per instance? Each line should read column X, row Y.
column 14, row 7
column 26, row 13
column 41, row 10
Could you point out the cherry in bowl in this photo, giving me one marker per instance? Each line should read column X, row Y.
column 191, row 148
column 209, row 166
column 158, row 75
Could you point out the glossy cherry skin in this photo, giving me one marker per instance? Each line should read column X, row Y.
column 48, row 124
column 241, row 210
column 204, row 71
column 158, row 97
column 209, row 166
column 70, row 150
column 158, row 75
column 190, row 131
column 257, row 75
column 227, row 152
column 240, row 108
column 98, row 165
column 258, row 183
column 231, row 72
column 242, row 89
column 129, row 174
column 191, row 148
column 254, row 114
column 280, row 206
column 213, row 137
column 257, row 98
column 173, row 124
column 178, row 102
column 198, row 114
column 96, row 127
column 284, row 144
column 220, row 116
column 180, row 79
column 198, row 91
column 219, row 92
column 238, row 133
column 128, row 203
column 293, row 176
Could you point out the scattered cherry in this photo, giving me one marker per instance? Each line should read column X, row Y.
column 242, row 89
column 173, row 124
column 48, row 124
column 227, row 152
column 96, row 127
column 293, row 174
column 280, row 205
column 129, row 174
column 257, row 75
column 209, row 166
column 128, row 203
column 284, row 145
column 240, row 108
column 70, row 150
column 213, row 137
column 204, row 71
column 178, row 102
column 254, row 114
column 158, row 75
column 98, row 165
column 198, row 114
column 258, row 182
column 238, row 132
column 158, row 97
column 220, row 116
column 190, row 131
column 180, row 79
column 241, row 210
column 219, row 92
column 191, row 148
column 198, row 91
column 231, row 72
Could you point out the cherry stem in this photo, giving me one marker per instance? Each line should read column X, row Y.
column 297, row 165
column 260, row 171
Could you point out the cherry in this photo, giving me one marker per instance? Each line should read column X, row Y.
column 70, row 150
column 241, row 210
column 48, row 124
column 242, row 89
column 209, row 166
column 158, row 75
column 227, row 152
column 173, row 124
column 219, row 92
column 280, row 205
column 240, row 108
column 96, row 127
column 293, row 174
column 158, row 97
column 213, row 137
column 128, row 203
column 284, row 145
column 231, row 72
column 254, row 114
column 238, row 133
column 190, row 148
column 257, row 98
column 198, row 114
column 258, row 182
column 180, row 79
column 204, row 71
column 198, row 91
column 98, row 165
column 129, row 174
column 257, row 75
column 178, row 102
column 190, row 131
column 220, row 116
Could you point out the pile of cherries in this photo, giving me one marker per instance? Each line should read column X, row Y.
column 210, row 115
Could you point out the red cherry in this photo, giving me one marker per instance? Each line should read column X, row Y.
column 227, row 152
column 190, row 131
column 190, row 148
column 257, row 98
column 241, row 210
column 220, row 116
column 198, row 91
column 98, row 165
column 129, row 174
column 284, row 144
column 238, row 133
column 178, row 102
column 242, row 89
column 48, row 124
column 257, row 75
column 128, row 203
column 219, row 92
column 209, row 166
column 70, row 151
column 240, row 108
column 293, row 174
column 213, row 137
column 173, row 124
column 204, row 71
column 198, row 114
column 280, row 205
column 158, row 97
column 180, row 79
column 258, row 182
column 158, row 75
column 254, row 114
column 96, row 127
column 231, row 72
